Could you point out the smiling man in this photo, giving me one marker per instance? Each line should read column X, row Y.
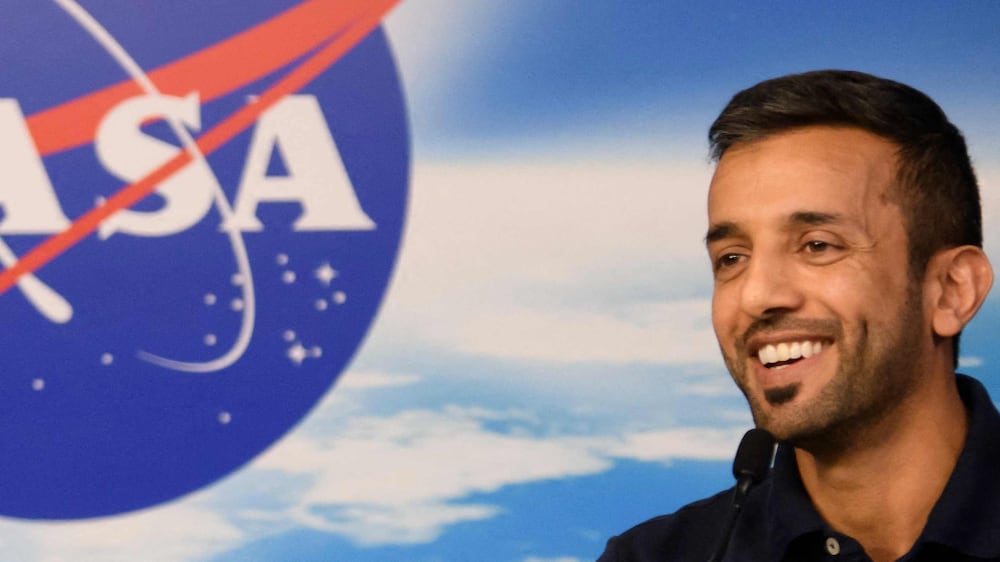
column 846, row 244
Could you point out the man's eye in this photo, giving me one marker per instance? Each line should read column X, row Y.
column 817, row 246
column 821, row 252
column 728, row 260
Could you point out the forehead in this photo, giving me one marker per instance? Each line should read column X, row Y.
column 816, row 169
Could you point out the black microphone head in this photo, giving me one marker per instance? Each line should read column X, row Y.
column 753, row 457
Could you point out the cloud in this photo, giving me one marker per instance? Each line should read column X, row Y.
column 970, row 361
column 404, row 478
column 690, row 443
column 420, row 456
column 669, row 332
column 567, row 217
column 600, row 262
column 354, row 380
column 989, row 182
column 712, row 387
column 375, row 525
column 172, row 533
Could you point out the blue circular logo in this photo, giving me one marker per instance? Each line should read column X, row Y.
column 202, row 206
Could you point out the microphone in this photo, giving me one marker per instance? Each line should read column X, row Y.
column 751, row 465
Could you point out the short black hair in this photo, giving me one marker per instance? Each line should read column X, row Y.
column 936, row 187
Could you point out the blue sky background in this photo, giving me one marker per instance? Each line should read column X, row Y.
column 543, row 373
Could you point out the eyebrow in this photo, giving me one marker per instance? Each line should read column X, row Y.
column 813, row 218
column 721, row 231
column 729, row 229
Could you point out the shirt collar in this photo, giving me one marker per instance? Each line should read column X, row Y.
column 965, row 518
column 790, row 511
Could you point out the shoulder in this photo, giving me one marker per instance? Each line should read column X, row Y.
column 690, row 533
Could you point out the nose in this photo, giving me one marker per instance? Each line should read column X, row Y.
column 769, row 286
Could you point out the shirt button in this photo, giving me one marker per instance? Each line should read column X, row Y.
column 832, row 546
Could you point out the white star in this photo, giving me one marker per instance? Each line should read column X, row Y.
column 297, row 353
column 325, row 274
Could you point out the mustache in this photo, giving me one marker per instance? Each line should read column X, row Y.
column 829, row 328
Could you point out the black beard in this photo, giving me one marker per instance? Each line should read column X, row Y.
column 778, row 396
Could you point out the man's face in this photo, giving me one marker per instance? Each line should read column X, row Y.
column 818, row 321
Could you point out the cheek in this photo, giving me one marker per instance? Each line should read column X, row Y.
column 724, row 314
column 856, row 294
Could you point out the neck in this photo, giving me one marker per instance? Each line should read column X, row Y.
column 881, row 490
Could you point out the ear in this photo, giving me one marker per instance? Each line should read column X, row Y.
column 959, row 279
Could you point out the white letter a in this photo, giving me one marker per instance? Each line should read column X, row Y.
column 316, row 175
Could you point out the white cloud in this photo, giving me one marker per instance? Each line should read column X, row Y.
column 543, row 261
column 402, row 479
column 714, row 386
column 354, row 380
column 375, row 525
column 421, row 456
column 557, row 219
column 172, row 533
column 671, row 332
column 970, row 361
column 989, row 182
column 689, row 443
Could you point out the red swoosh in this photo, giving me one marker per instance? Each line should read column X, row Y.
column 369, row 14
column 261, row 49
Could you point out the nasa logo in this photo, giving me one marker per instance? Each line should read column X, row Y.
column 202, row 205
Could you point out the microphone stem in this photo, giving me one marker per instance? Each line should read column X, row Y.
column 739, row 495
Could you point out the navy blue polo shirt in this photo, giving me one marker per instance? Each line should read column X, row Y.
column 779, row 522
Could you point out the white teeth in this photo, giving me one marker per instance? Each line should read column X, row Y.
column 783, row 351
column 772, row 354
